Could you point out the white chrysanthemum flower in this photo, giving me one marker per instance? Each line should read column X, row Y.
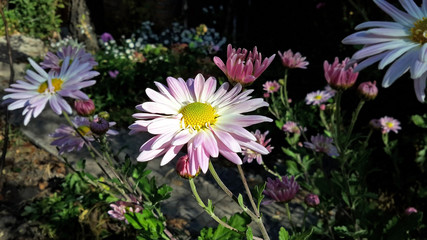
column 193, row 113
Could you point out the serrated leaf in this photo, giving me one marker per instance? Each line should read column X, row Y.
column 283, row 234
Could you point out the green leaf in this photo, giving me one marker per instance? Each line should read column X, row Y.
column 249, row 234
column 259, row 196
column 81, row 164
column 240, row 201
column 288, row 152
column 283, row 234
column 420, row 121
column 238, row 221
column 303, row 236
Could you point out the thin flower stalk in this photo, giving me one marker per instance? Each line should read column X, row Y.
column 337, row 121
column 248, row 191
column 353, row 121
column 288, row 212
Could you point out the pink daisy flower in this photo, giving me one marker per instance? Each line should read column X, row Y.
column 41, row 88
column 318, row 97
column 271, row 86
column 194, row 114
column 389, row 124
column 243, row 67
column 250, row 155
column 54, row 62
column 290, row 60
column 292, row 127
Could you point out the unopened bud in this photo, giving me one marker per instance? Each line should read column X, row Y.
column 105, row 115
column 183, row 168
column 368, row 90
column 99, row 126
column 84, row 107
column 312, row 200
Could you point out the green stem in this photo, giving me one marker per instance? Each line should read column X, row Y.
column 271, row 171
column 248, row 191
column 353, row 121
column 284, row 91
column 337, row 122
column 211, row 213
column 288, row 211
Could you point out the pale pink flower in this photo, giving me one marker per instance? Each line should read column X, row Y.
column 320, row 143
column 389, row 124
column 318, row 97
column 243, row 67
column 113, row 74
column 250, row 155
column 271, row 86
column 194, row 114
column 291, row 127
column 290, row 60
column 55, row 61
column 281, row 190
column 338, row 76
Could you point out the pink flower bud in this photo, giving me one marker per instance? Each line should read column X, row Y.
column 338, row 75
column 368, row 90
column 312, row 200
column 409, row 211
column 322, row 107
column 183, row 168
column 84, row 107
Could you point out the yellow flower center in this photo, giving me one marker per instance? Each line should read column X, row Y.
column 83, row 130
column 198, row 115
column 56, row 84
column 318, row 97
column 389, row 124
column 419, row 31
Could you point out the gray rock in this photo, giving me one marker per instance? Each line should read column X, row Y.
column 23, row 47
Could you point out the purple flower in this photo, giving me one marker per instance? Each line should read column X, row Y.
column 281, row 190
column 41, row 88
column 67, row 139
column 320, row 143
column 54, row 62
column 113, row 74
column 106, row 37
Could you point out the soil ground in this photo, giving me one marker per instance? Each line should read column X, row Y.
column 29, row 173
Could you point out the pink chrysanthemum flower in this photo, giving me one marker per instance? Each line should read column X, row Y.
column 338, row 76
column 271, row 86
column 243, row 67
column 409, row 211
column 281, row 190
column 120, row 208
column 323, row 144
column 41, row 88
column 68, row 140
column 250, row 155
column 290, row 60
column 192, row 114
column 389, row 124
column 401, row 42
column 318, row 97
column 54, row 62
column 291, row 127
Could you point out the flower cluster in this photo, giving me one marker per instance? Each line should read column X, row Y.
column 120, row 208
